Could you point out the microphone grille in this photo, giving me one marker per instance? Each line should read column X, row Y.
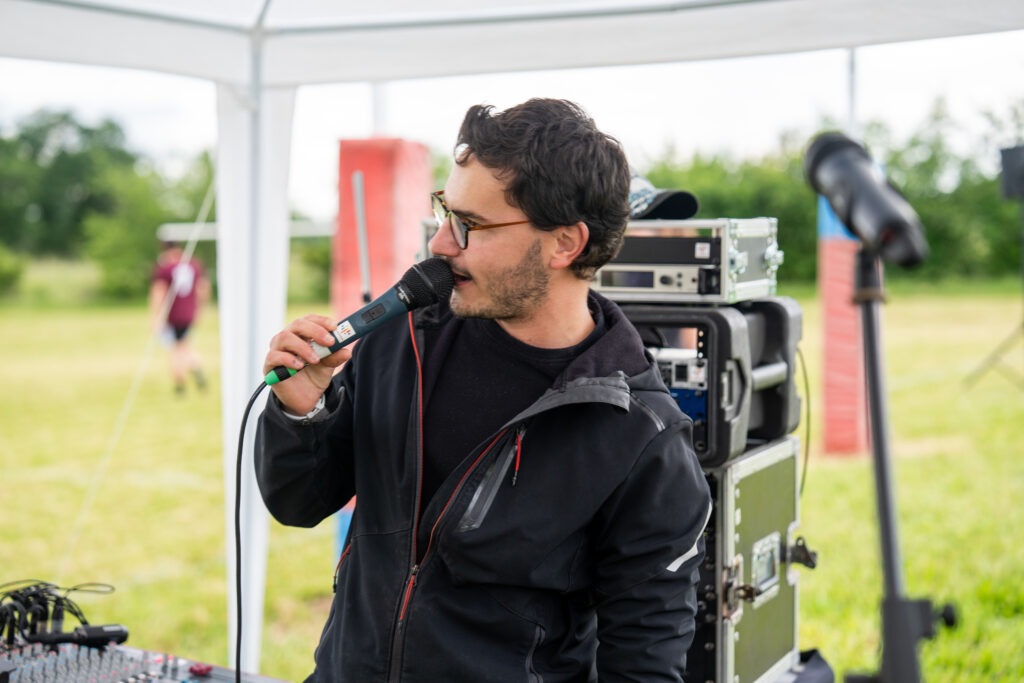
column 428, row 282
column 823, row 146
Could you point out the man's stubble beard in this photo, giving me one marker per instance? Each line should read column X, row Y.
column 513, row 293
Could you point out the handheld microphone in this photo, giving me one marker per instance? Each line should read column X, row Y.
column 425, row 283
column 89, row 636
column 867, row 204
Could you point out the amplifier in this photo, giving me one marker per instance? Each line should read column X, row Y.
column 718, row 261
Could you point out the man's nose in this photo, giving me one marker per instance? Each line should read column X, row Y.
column 443, row 243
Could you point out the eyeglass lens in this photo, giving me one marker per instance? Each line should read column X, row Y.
column 458, row 228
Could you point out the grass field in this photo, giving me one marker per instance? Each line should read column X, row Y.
column 109, row 480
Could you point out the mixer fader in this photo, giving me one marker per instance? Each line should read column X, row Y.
column 70, row 663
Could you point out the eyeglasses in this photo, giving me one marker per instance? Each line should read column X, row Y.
column 461, row 227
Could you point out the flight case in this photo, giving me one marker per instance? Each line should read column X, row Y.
column 747, row 596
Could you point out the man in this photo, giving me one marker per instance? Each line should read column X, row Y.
column 529, row 504
column 178, row 291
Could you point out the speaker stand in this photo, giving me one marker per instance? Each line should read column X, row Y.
column 995, row 357
column 904, row 621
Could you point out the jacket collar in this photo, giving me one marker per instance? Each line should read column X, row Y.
column 607, row 371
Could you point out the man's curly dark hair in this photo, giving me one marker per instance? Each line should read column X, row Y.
column 558, row 168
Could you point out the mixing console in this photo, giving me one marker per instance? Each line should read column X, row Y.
column 70, row 663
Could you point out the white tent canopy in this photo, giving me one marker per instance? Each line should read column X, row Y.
column 259, row 52
column 296, row 42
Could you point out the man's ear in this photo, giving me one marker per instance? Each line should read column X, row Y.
column 570, row 241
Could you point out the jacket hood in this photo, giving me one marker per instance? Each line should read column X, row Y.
column 617, row 353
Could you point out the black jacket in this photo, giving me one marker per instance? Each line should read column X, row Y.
column 564, row 548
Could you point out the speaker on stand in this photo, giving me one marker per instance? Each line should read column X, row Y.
column 1013, row 188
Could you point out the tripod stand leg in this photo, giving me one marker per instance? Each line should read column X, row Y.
column 997, row 354
column 995, row 357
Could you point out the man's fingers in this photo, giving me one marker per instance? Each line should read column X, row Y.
column 291, row 346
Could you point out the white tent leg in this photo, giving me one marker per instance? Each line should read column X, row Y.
column 254, row 145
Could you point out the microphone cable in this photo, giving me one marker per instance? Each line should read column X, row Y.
column 424, row 283
column 238, row 532
column 807, row 419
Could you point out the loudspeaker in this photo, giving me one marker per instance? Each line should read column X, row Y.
column 730, row 368
column 1013, row 172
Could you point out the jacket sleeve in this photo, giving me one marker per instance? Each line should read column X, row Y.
column 650, row 544
column 304, row 468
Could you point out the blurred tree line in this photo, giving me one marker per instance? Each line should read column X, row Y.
column 972, row 230
column 75, row 191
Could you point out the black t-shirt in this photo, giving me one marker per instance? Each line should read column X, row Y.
column 476, row 378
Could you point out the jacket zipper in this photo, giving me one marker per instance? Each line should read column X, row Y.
column 337, row 568
column 398, row 639
column 519, row 452
column 492, row 481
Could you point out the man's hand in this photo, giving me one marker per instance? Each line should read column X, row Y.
column 291, row 348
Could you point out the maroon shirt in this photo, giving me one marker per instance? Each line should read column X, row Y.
column 186, row 299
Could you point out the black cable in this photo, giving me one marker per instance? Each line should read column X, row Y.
column 24, row 583
column 16, row 619
column 238, row 535
column 807, row 420
column 89, row 587
column 14, row 593
column 6, row 620
column 36, row 608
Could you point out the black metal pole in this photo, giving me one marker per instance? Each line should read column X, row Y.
column 868, row 295
column 904, row 622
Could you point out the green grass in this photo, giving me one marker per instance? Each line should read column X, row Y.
column 958, row 474
column 142, row 508
column 57, row 282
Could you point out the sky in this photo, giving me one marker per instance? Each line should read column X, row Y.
column 737, row 106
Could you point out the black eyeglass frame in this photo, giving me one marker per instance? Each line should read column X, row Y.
column 460, row 227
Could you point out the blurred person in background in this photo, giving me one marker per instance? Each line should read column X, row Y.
column 178, row 291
